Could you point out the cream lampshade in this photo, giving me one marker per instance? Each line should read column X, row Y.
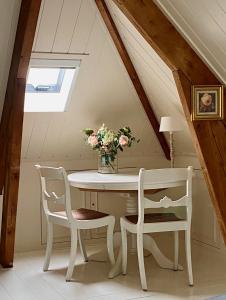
column 169, row 124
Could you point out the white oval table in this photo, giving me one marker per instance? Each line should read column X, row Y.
column 127, row 184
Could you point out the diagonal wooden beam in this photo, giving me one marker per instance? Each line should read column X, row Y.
column 165, row 39
column 12, row 124
column 209, row 137
column 132, row 74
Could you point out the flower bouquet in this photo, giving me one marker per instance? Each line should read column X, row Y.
column 107, row 142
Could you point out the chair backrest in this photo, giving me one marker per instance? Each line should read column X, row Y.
column 48, row 174
column 161, row 179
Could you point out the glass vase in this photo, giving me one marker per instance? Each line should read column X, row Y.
column 107, row 163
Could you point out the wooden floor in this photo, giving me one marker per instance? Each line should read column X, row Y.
column 26, row 281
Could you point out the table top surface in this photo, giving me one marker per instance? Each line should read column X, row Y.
column 93, row 180
column 126, row 181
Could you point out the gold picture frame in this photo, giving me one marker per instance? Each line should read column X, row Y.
column 207, row 102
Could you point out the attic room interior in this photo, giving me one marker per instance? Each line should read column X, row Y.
column 113, row 149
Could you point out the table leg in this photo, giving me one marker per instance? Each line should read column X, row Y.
column 132, row 209
column 117, row 268
column 161, row 259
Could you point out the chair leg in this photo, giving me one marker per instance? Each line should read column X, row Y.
column 110, row 238
column 49, row 246
column 82, row 246
column 74, row 240
column 124, row 249
column 140, row 252
column 188, row 256
column 176, row 249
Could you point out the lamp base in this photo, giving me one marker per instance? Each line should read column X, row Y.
column 171, row 150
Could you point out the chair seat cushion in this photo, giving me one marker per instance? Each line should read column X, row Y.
column 84, row 214
column 154, row 218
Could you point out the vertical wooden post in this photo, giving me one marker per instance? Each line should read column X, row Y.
column 12, row 124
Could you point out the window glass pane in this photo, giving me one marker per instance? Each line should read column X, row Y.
column 47, row 89
column 45, row 80
column 42, row 76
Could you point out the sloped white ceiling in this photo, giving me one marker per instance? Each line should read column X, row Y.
column 203, row 24
column 156, row 78
column 103, row 92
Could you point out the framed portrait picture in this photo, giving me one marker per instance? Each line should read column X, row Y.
column 207, row 102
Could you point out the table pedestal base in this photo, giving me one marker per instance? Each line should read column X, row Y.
column 151, row 246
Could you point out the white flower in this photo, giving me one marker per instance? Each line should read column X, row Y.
column 102, row 129
column 108, row 137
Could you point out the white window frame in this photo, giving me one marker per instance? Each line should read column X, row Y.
column 57, row 63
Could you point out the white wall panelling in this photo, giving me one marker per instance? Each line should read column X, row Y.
column 204, row 223
column 66, row 25
column 38, row 23
column 48, row 23
column 83, row 28
column 205, row 228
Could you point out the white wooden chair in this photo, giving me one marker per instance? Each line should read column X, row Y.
column 159, row 222
column 75, row 220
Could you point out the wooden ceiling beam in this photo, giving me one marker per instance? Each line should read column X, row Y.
column 209, row 137
column 168, row 43
column 132, row 74
column 12, row 124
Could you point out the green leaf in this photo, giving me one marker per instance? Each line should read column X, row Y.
column 88, row 131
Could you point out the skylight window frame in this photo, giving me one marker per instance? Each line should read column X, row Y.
column 56, row 63
column 56, row 88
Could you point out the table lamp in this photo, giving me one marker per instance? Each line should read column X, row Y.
column 169, row 124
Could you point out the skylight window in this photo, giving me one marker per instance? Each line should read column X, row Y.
column 49, row 84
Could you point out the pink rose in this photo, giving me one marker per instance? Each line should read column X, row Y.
column 92, row 140
column 123, row 140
